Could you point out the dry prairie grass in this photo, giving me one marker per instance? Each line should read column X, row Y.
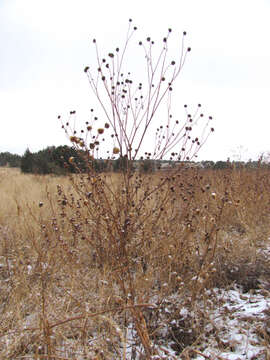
column 88, row 263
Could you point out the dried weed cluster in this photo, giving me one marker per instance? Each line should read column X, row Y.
column 82, row 279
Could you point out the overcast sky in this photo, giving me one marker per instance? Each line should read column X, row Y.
column 45, row 45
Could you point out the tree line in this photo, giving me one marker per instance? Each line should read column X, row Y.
column 11, row 160
column 57, row 160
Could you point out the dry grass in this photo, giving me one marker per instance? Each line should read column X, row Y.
column 89, row 263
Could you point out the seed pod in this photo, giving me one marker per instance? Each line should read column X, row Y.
column 116, row 150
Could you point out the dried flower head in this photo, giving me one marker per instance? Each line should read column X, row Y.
column 74, row 139
column 116, row 150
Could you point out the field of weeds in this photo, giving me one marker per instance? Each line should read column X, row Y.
column 170, row 265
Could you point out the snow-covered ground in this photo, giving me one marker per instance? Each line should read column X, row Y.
column 237, row 327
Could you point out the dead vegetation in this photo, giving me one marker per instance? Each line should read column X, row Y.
column 80, row 279
column 112, row 266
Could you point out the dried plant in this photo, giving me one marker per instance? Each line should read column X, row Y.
column 124, row 215
column 133, row 110
column 67, row 289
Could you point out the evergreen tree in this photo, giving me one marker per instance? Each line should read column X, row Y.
column 27, row 162
column 8, row 159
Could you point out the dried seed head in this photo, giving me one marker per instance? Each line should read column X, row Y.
column 100, row 130
column 116, row 150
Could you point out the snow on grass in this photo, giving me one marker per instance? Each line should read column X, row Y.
column 235, row 327
column 236, row 323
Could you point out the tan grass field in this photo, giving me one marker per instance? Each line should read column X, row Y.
column 87, row 264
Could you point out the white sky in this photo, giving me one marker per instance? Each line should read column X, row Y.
column 45, row 45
